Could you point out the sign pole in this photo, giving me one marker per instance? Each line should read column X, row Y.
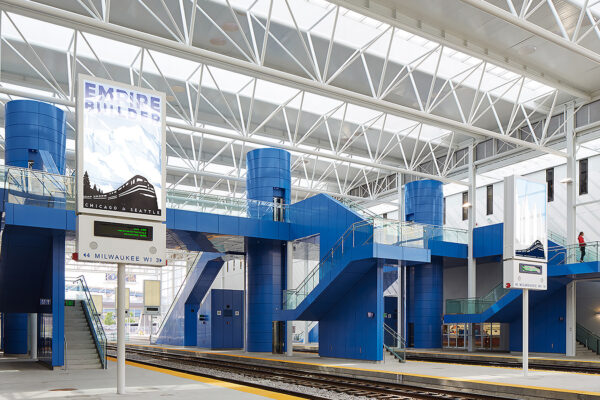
column 120, row 328
column 525, row 331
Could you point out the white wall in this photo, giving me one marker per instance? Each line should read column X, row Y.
column 588, row 217
column 588, row 305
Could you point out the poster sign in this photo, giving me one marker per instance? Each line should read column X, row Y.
column 121, row 154
column 525, row 234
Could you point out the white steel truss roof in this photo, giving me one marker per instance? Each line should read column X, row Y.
column 353, row 98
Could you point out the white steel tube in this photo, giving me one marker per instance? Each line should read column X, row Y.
column 289, row 325
column 121, row 328
column 33, row 335
column 525, row 331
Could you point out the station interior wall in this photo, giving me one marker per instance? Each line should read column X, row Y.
column 588, row 305
column 588, row 216
column 489, row 275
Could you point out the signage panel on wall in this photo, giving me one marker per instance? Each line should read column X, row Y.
column 120, row 150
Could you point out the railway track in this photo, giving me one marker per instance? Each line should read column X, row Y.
column 292, row 382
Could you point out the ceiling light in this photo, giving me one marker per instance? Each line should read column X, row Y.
column 466, row 205
column 566, row 180
column 230, row 27
column 218, row 41
column 178, row 89
column 170, row 98
column 527, row 50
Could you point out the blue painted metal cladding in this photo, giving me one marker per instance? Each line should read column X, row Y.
column 32, row 126
column 193, row 289
column 424, row 202
column 390, row 318
column 313, row 334
column 427, row 303
column 190, row 325
column 58, row 297
column 266, row 261
column 488, row 241
column 346, row 330
column 221, row 326
column 268, row 174
column 15, row 333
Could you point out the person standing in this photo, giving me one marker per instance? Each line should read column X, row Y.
column 581, row 241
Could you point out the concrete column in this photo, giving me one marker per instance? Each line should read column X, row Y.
column 571, row 319
column 33, row 335
column 289, row 273
column 471, row 263
column 121, row 328
column 571, row 172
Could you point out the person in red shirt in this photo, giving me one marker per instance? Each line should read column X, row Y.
column 581, row 241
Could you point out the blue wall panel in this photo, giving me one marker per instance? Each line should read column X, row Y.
column 346, row 330
column 547, row 329
column 266, row 261
column 313, row 334
column 15, row 333
column 223, row 311
column 488, row 241
column 190, row 326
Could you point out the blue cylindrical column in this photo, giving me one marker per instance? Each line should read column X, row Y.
column 32, row 126
column 424, row 203
column 268, row 177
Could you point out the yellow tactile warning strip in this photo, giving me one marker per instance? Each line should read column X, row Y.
column 458, row 379
column 216, row 382
column 503, row 356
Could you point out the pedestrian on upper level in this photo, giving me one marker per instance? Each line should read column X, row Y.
column 581, row 241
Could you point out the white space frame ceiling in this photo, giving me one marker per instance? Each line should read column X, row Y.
column 353, row 98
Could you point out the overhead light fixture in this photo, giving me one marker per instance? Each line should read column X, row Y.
column 527, row 50
column 230, row 26
column 178, row 89
column 218, row 41
column 566, row 180
column 466, row 205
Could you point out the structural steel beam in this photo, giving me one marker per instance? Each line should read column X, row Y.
column 86, row 24
column 533, row 28
column 254, row 140
column 457, row 42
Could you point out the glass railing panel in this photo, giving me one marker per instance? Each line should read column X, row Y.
column 589, row 339
column 38, row 188
column 573, row 253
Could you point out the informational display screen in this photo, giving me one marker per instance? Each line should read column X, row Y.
column 525, row 234
column 109, row 240
column 121, row 153
column 122, row 231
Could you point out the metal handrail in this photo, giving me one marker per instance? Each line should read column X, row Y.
column 587, row 338
column 480, row 304
column 177, row 295
column 399, row 351
column 94, row 321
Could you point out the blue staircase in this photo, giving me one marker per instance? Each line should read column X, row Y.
column 364, row 244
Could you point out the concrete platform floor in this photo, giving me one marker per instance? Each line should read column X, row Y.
column 30, row 380
column 585, row 356
column 568, row 382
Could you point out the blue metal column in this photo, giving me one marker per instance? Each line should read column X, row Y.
column 424, row 204
column 36, row 139
column 15, row 333
column 268, row 176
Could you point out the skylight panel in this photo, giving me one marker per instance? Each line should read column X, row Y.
column 36, row 32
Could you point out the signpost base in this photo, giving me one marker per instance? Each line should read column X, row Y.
column 525, row 332
column 121, row 328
